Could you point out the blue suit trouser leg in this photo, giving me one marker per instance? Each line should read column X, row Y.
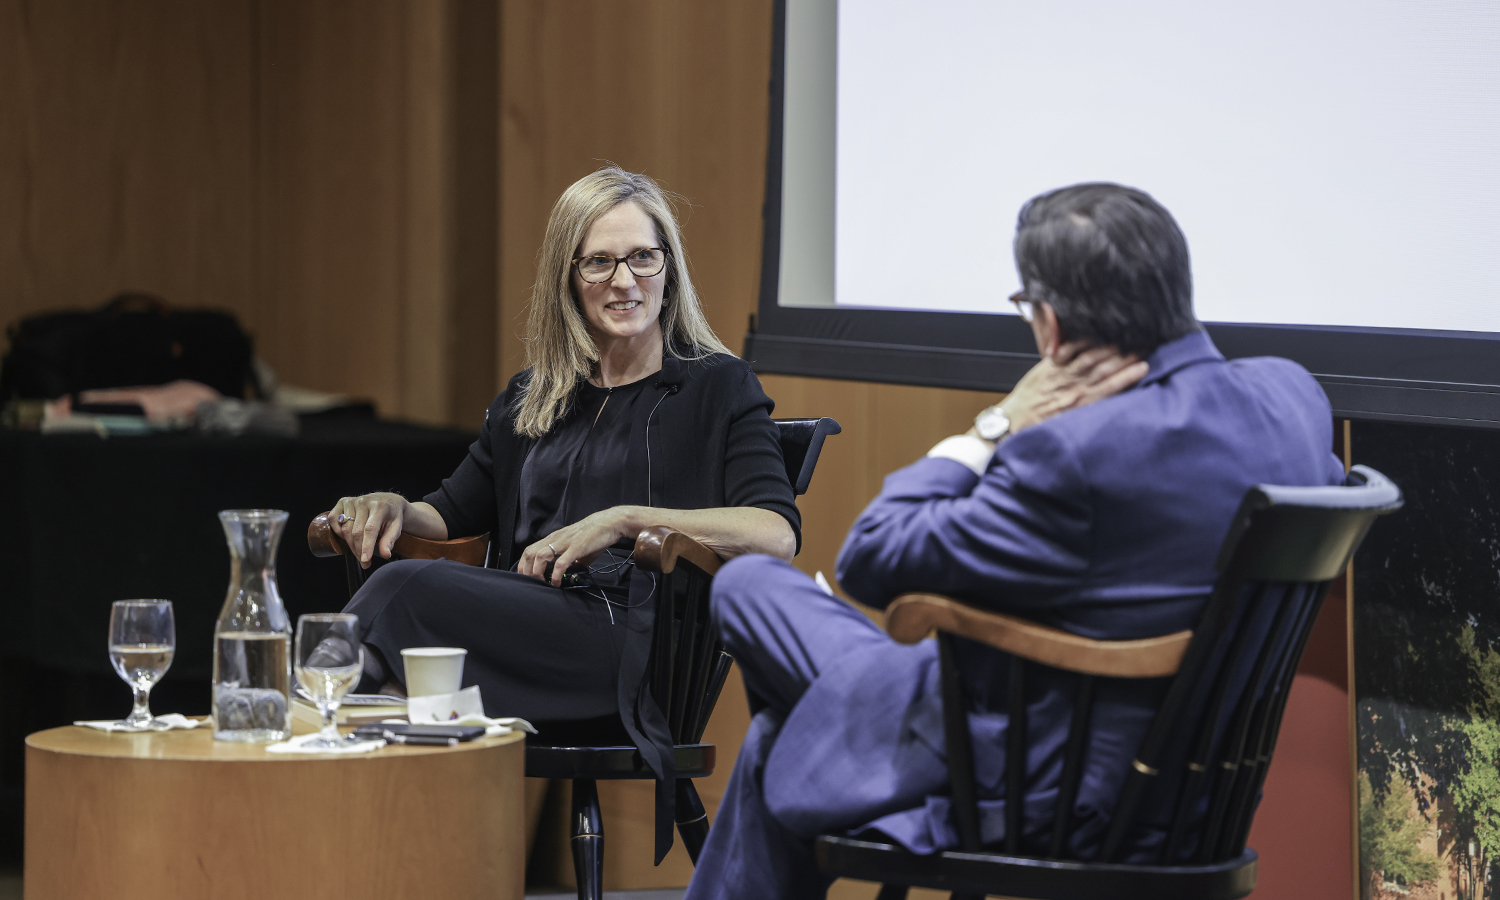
column 783, row 630
column 749, row 855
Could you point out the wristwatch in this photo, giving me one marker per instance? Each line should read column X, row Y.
column 992, row 424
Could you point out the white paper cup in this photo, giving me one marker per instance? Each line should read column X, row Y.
column 433, row 670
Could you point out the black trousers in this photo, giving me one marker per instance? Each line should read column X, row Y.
column 549, row 655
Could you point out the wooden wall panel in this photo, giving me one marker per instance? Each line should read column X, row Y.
column 474, row 176
column 885, row 427
column 354, row 105
column 296, row 163
column 682, row 86
column 127, row 153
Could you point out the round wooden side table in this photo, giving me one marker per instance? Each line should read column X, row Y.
column 179, row 815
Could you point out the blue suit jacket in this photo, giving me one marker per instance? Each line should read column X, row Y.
column 1104, row 521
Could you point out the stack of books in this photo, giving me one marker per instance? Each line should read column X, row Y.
column 354, row 709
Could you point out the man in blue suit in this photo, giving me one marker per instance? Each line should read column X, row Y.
column 1094, row 499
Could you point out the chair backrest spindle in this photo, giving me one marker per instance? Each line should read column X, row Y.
column 1232, row 843
column 1248, row 700
column 1015, row 755
column 960, row 745
column 1078, row 732
column 688, row 664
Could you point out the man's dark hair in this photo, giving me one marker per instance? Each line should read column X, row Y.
column 1112, row 264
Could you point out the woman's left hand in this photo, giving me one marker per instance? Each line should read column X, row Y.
column 581, row 542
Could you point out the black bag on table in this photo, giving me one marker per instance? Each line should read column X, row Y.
column 136, row 339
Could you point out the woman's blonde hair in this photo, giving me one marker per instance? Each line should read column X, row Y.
column 558, row 347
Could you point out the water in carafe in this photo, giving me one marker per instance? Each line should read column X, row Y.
column 252, row 641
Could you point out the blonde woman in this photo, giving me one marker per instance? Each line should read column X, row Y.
column 631, row 414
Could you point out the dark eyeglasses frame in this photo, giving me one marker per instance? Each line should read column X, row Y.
column 1024, row 305
column 665, row 253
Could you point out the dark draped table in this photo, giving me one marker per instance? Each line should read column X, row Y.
column 86, row 521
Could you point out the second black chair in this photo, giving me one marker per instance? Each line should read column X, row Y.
column 685, row 673
column 1205, row 756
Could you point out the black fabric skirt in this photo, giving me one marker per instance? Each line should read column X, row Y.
column 549, row 655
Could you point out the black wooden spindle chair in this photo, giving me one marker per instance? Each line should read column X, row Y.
column 1283, row 548
column 686, row 669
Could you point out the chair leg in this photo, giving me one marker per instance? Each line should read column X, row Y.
column 588, row 840
column 353, row 574
column 692, row 820
column 892, row 892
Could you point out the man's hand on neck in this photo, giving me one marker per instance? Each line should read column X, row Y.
column 1071, row 376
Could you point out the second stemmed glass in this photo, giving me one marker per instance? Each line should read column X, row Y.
column 329, row 660
column 142, row 639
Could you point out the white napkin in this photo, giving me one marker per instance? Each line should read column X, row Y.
column 296, row 745
column 463, row 707
column 168, row 722
column 444, row 709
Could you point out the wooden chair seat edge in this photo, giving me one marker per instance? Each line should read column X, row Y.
column 470, row 551
column 911, row 617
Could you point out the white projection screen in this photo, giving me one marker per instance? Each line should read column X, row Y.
column 1335, row 167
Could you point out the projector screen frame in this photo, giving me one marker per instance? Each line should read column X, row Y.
column 1382, row 374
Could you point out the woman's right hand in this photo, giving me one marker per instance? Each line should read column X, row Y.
column 369, row 523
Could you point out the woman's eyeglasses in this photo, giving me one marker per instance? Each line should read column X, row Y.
column 1023, row 306
column 599, row 269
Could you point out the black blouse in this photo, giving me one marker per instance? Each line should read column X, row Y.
column 584, row 464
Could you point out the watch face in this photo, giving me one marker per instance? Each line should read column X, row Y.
column 992, row 424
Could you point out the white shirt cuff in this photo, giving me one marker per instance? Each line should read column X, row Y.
column 973, row 452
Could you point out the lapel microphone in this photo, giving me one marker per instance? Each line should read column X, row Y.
column 671, row 375
column 671, row 382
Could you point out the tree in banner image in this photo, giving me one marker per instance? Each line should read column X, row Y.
column 1476, row 788
column 1390, row 833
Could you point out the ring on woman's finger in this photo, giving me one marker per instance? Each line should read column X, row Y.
column 553, row 549
column 343, row 518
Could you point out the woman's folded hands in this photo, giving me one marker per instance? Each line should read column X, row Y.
column 581, row 542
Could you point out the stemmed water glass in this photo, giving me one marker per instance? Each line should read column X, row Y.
column 329, row 660
column 142, row 638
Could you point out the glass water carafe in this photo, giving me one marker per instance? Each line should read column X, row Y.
column 252, row 640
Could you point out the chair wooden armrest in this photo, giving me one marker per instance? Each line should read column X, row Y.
column 911, row 617
column 658, row 548
column 470, row 551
